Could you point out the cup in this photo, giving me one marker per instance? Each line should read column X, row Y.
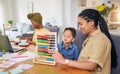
column 17, row 40
column 23, row 42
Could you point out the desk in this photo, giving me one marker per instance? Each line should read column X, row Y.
column 45, row 69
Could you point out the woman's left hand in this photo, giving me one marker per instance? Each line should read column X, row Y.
column 58, row 57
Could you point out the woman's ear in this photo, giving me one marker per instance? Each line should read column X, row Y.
column 92, row 24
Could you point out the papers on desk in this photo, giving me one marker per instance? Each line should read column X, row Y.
column 20, row 68
column 16, row 71
column 22, row 57
column 6, row 64
column 16, row 57
column 19, row 59
column 3, row 72
column 25, row 66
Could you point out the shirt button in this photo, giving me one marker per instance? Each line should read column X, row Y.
column 88, row 57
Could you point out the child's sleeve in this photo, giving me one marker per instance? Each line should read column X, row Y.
column 76, row 54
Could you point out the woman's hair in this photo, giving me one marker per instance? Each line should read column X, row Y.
column 92, row 14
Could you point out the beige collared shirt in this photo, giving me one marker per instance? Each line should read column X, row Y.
column 97, row 49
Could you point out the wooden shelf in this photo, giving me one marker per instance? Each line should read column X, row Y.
column 114, row 25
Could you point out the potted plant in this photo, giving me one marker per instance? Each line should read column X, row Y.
column 105, row 10
column 10, row 22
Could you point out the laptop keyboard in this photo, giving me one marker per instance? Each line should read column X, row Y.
column 16, row 48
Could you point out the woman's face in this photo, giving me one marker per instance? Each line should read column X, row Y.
column 35, row 24
column 84, row 26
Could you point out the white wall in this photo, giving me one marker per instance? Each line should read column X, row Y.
column 7, row 10
column 67, row 13
column 1, row 14
column 58, row 12
column 51, row 10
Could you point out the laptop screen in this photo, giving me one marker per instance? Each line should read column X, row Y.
column 5, row 45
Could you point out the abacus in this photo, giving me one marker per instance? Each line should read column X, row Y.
column 46, row 44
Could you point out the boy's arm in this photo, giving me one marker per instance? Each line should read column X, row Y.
column 77, row 52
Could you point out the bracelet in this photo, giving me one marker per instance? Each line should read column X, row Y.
column 66, row 61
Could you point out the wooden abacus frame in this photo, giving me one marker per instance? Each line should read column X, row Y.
column 37, row 57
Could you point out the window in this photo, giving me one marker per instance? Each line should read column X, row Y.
column 1, row 15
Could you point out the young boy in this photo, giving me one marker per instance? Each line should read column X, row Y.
column 67, row 48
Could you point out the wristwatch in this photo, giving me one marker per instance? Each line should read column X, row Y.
column 66, row 61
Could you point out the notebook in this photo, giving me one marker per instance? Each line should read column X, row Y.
column 5, row 45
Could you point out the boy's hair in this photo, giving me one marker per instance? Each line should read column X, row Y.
column 73, row 31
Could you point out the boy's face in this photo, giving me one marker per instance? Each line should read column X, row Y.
column 67, row 37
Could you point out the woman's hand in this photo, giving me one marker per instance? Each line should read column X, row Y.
column 58, row 57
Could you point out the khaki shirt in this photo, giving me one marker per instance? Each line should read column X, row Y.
column 38, row 30
column 97, row 49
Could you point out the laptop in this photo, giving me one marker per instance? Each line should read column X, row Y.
column 5, row 45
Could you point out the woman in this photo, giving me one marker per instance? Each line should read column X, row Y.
column 96, row 52
column 36, row 20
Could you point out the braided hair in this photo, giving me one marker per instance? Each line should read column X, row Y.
column 92, row 14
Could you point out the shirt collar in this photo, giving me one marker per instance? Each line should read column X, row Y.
column 64, row 46
column 95, row 33
column 92, row 35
